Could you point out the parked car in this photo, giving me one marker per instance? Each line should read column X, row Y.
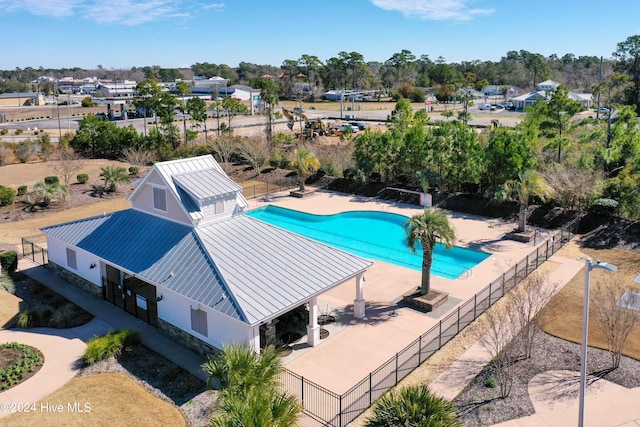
column 506, row 105
column 359, row 125
column 298, row 110
column 603, row 110
column 486, row 107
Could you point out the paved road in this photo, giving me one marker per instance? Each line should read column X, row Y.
column 64, row 124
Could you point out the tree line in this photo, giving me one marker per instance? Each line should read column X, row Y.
column 349, row 70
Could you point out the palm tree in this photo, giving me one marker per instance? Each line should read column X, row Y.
column 428, row 228
column 413, row 406
column 259, row 407
column 304, row 163
column 250, row 395
column 43, row 193
column 238, row 367
column 529, row 184
column 112, row 176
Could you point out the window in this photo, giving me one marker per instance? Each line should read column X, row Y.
column 71, row 259
column 199, row 321
column 160, row 199
column 219, row 206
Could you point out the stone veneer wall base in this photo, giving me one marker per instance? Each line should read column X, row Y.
column 75, row 280
column 186, row 339
column 166, row 328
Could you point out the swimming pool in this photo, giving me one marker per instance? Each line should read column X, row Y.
column 370, row 234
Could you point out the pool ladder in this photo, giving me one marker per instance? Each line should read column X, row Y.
column 466, row 273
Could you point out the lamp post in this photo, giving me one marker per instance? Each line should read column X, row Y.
column 589, row 265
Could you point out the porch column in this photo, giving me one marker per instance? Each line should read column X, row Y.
column 313, row 329
column 254, row 338
column 358, row 303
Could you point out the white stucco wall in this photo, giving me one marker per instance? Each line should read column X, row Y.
column 176, row 309
column 57, row 251
column 144, row 201
column 209, row 211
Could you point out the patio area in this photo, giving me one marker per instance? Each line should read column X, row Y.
column 354, row 348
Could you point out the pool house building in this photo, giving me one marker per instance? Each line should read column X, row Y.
column 186, row 259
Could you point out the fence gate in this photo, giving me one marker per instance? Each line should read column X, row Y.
column 35, row 248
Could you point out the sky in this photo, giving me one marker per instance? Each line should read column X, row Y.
column 120, row 34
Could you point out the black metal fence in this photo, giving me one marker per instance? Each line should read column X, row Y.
column 34, row 248
column 338, row 410
column 262, row 190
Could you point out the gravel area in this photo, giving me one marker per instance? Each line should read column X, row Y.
column 479, row 405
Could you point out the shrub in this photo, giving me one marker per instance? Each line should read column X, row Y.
column 32, row 318
column 63, row 317
column 490, row 383
column 82, row 178
column 86, row 102
column 4, row 154
column 7, row 283
column 7, row 196
column 134, row 170
column 51, row 180
column 4, row 131
column 22, row 190
column 9, row 261
column 19, row 131
column 604, row 206
column 25, row 150
column 328, row 169
column 110, row 345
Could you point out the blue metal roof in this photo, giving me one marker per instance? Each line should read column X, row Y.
column 152, row 248
column 243, row 267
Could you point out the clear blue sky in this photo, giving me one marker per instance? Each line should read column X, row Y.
column 174, row 33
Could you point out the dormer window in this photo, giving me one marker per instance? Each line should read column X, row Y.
column 160, row 199
column 219, row 207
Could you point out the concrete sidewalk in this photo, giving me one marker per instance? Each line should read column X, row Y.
column 554, row 394
column 62, row 350
column 116, row 318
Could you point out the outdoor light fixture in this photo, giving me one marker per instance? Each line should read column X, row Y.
column 159, row 298
column 589, row 265
column 93, row 265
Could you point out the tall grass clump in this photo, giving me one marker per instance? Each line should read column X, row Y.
column 110, row 345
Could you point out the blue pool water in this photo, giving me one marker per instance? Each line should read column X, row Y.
column 370, row 234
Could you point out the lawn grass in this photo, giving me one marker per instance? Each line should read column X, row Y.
column 567, row 306
column 114, row 399
column 10, row 306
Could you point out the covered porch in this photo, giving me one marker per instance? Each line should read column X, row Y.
column 307, row 318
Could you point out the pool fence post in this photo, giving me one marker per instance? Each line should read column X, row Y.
column 475, row 306
column 397, row 368
column 490, row 292
column 370, row 390
column 420, row 350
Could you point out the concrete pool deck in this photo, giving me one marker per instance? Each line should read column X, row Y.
column 357, row 347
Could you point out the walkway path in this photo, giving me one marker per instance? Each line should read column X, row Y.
column 554, row 394
column 63, row 348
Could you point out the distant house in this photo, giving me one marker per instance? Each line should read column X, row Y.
column 523, row 101
column 186, row 259
column 116, row 89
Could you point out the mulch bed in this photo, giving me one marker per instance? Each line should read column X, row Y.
column 480, row 405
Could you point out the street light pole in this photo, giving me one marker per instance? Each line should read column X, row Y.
column 589, row 265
